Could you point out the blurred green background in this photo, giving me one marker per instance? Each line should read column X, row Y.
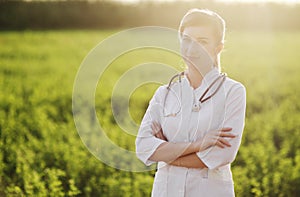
column 42, row 44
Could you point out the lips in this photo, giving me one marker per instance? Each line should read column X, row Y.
column 191, row 57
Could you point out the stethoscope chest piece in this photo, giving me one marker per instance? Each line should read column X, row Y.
column 196, row 107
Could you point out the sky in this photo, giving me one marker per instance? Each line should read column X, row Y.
column 229, row 1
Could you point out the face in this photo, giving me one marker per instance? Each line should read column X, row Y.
column 199, row 48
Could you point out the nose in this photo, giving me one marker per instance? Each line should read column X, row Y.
column 192, row 49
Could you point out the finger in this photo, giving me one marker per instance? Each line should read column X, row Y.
column 160, row 136
column 219, row 144
column 225, row 142
column 163, row 137
column 153, row 130
column 226, row 129
column 158, row 127
column 155, row 124
column 152, row 127
column 222, row 134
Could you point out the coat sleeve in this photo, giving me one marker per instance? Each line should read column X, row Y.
column 235, row 108
column 146, row 143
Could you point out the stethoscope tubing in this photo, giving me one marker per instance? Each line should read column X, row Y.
column 201, row 99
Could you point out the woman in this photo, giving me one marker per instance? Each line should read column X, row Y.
column 193, row 127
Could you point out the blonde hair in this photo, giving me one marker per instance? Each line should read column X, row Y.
column 204, row 17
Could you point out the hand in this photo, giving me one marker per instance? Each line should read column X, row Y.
column 157, row 131
column 214, row 138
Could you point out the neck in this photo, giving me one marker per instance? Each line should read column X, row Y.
column 194, row 76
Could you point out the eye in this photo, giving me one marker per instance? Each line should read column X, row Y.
column 203, row 42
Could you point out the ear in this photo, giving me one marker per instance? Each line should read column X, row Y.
column 219, row 48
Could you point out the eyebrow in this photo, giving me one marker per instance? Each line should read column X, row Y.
column 197, row 38
column 202, row 38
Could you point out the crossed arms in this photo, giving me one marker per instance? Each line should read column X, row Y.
column 217, row 148
column 184, row 153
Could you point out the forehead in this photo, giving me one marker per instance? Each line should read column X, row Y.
column 199, row 32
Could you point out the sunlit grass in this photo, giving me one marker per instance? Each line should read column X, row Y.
column 37, row 72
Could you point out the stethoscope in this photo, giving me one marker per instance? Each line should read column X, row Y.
column 202, row 99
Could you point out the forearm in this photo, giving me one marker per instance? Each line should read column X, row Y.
column 168, row 151
column 189, row 161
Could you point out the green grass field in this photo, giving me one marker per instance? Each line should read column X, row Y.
column 42, row 154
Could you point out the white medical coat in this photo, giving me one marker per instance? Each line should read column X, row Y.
column 225, row 109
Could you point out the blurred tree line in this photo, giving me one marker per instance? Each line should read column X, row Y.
column 18, row 15
column 41, row 153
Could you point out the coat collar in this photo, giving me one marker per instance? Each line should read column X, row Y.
column 207, row 79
